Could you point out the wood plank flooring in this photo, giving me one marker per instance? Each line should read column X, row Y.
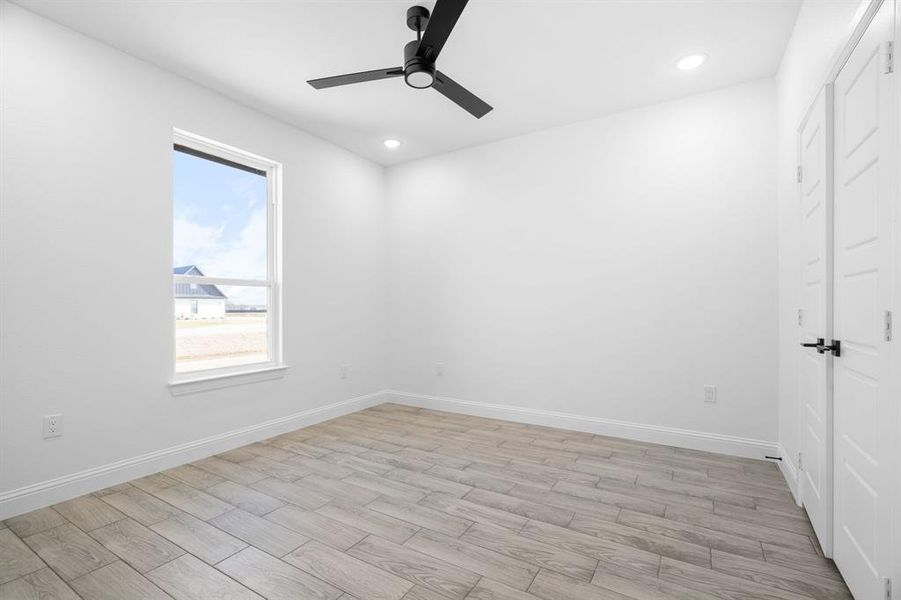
column 398, row 503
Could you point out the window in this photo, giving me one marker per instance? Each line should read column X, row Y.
column 225, row 251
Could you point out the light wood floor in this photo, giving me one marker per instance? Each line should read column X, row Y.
column 399, row 503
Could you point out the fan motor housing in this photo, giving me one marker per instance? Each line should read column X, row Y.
column 419, row 73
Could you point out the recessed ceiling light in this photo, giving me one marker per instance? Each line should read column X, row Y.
column 692, row 61
column 391, row 144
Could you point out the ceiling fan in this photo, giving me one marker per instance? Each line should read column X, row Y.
column 419, row 58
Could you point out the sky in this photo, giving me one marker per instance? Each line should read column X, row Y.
column 220, row 222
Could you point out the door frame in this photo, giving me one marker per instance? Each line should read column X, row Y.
column 827, row 92
column 895, row 383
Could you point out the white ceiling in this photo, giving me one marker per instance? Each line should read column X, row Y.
column 540, row 63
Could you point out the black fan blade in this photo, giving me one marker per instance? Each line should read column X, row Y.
column 441, row 23
column 458, row 94
column 327, row 82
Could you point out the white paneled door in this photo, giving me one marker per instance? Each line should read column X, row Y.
column 865, row 188
column 815, row 319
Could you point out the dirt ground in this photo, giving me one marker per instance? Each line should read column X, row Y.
column 213, row 343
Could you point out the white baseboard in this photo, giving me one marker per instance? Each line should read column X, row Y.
column 49, row 492
column 656, row 434
column 790, row 472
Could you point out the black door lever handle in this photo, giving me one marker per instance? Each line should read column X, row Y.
column 822, row 348
column 835, row 348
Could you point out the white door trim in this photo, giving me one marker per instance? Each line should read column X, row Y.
column 859, row 30
column 896, row 312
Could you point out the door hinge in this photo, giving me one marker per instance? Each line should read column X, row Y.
column 800, row 461
column 799, row 173
column 888, row 326
column 800, row 317
column 888, row 589
column 889, row 57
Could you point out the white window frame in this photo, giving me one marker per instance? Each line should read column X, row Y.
column 273, row 281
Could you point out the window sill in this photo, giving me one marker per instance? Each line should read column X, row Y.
column 203, row 383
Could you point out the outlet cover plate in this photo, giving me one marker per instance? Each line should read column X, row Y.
column 53, row 426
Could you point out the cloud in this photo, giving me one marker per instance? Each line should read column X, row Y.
column 193, row 240
column 242, row 256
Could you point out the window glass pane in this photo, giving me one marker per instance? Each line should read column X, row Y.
column 220, row 219
column 220, row 326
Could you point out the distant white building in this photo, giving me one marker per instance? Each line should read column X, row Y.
column 197, row 300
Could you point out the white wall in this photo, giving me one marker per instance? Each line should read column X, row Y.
column 608, row 269
column 820, row 32
column 87, row 217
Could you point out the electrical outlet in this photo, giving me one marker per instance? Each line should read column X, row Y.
column 439, row 369
column 53, row 426
column 710, row 394
column 342, row 370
